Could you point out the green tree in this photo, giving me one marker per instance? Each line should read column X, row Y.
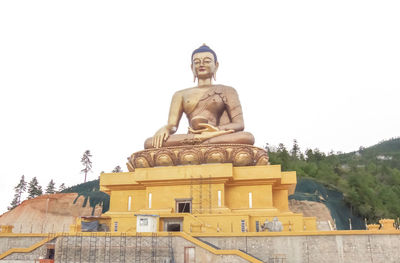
column 34, row 189
column 117, row 169
column 19, row 190
column 87, row 163
column 51, row 187
column 62, row 187
column 295, row 152
column 14, row 203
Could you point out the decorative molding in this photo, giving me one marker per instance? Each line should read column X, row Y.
column 237, row 154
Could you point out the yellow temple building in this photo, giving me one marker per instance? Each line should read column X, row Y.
column 202, row 198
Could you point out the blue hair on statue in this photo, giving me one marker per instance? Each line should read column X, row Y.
column 204, row 48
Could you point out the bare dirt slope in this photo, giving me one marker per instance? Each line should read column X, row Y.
column 47, row 213
column 309, row 208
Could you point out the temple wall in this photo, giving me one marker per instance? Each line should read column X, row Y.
column 119, row 249
column 316, row 248
column 334, row 247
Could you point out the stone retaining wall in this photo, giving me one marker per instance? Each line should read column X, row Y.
column 119, row 249
column 316, row 249
column 7, row 243
column 382, row 248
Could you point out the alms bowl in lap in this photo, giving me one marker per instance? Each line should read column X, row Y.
column 237, row 154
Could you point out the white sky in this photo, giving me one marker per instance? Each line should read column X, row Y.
column 99, row 75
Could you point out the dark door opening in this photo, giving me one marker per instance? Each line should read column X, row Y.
column 173, row 224
column 174, row 227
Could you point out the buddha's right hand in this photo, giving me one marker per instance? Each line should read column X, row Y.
column 160, row 137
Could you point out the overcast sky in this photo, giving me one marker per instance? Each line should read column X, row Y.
column 99, row 75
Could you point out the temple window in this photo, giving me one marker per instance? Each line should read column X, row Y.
column 149, row 200
column 183, row 205
column 129, row 203
column 250, row 200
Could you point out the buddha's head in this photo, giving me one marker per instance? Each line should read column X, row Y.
column 204, row 63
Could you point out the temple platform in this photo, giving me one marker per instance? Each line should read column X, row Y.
column 202, row 198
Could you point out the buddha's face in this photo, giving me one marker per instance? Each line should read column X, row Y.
column 203, row 65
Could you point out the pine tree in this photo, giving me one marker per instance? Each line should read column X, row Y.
column 19, row 190
column 51, row 187
column 14, row 203
column 34, row 189
column 295, row 150
column 117, row 169
column 62, row 187
column 87, row 163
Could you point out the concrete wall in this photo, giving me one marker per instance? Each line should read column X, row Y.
column 343, row 248
column 317, row 249
column 7, row 243
column 118, row 249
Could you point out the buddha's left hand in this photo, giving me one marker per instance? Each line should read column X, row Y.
column 208, row 132
column 206, row 128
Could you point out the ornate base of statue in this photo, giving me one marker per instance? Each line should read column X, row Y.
column 237, row 154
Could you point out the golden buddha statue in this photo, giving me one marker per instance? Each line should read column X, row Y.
column 214, row 111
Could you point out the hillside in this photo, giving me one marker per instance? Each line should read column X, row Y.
column 90, row 191
column 48, row 213
column 368, row 178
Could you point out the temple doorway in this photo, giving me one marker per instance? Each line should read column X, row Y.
column 173, row 224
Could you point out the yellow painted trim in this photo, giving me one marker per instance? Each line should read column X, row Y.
column 289, row 178
column 183, row 172
column 303, row 233
column 28, row 249
column 23, row 235
column 117, row 179
column 257, row 172
column 221, row 234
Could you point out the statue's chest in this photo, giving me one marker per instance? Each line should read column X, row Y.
column 191, row 99
column 197, row 99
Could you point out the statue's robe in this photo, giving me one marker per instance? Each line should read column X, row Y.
column 220, row 105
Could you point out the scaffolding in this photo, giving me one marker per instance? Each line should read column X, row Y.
column 171, row 249
column 107, row 247
column 122, row 247
column 78, row 248
column 64, row 248
column 153, row 249
column 201, row 194
column 138, row 248
column 154, row 244
column 117, row 248
column 93, row 247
